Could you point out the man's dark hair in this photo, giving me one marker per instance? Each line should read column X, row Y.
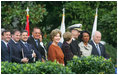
column 81, row 35
column 24, row 31
column 36, row 28
column 5, row 32
column 14, row 31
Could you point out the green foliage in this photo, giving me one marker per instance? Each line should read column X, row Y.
column 91, row 65
column 83, row 65
column 108, row 22
column 34, row 68
column 112, row 52
column 14, row 14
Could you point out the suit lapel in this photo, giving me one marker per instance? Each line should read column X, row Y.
column 4, row 46
column 18, row 47
column 33, row 41
column 95, row 48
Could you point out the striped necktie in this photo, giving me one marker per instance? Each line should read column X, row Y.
column 98, row 49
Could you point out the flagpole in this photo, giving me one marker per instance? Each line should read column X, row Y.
column 95, row 24
column 62, row 29
column 27, row 11
column 27, row 25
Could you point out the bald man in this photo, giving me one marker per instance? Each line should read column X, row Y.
column 98, row 48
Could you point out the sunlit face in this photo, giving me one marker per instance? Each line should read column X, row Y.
column 24, row 36
column 85, row 37
column 7, row 36
column 56, row 38
column 36, row 33
column 97, row 37
column 75, row 34
column 16, row 36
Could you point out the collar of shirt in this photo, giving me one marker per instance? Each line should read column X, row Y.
column 23, row 42
column 82, row 44
column 14, row 41
column 95, row 44
column 41, row 43
column 5, row 42
column 73, row 38
column 34, row 38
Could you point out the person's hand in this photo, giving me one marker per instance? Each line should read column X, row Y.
column 34, row 55
column 43, row 60
column 24, row 60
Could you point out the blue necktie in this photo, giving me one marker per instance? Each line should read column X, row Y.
column 37, row 43
column 98, row 49
column 26, row 45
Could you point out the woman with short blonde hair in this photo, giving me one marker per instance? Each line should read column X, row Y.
column 55, row 52
column 68, row 55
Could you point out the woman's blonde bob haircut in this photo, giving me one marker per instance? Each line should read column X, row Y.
column 67, row 36
column 54, row 33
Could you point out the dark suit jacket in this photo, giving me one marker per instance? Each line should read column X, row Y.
column 39, row 48
column 28, row 52
column 5, row 55
column 95, row 52
column 75, row 48
column 15, row 51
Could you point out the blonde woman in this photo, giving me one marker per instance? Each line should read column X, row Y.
column 55, row 52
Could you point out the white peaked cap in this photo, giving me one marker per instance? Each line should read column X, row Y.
column 75, row 26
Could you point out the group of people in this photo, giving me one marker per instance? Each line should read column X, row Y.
column 17, row 47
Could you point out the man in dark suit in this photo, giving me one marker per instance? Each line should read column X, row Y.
column 16, row 52
column 98, row 49
column 34, row 40
column 29, row 51
column 5, row 55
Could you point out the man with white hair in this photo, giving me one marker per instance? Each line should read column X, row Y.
column 98, row 48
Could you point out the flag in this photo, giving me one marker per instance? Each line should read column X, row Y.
column 95, row 24
column 27, row 24
column 62, row 29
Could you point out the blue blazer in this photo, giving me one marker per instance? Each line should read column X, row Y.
column 15, row 51
column 102, row 49
column 5, row 55
column 28, row 52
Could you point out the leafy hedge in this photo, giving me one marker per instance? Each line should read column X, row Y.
column 112, row 52
column 83, row 65
column 34, row 68
column 91, row 65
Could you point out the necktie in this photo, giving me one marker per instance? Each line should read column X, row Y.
column 98, row 49
column 26, row 45
column 8, row 48
column 37, row 43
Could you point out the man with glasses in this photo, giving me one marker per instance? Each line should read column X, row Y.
column 34, row 39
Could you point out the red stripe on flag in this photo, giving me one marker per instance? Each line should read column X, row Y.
column 27, row 26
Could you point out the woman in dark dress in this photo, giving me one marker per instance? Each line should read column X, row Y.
column 68, row 55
